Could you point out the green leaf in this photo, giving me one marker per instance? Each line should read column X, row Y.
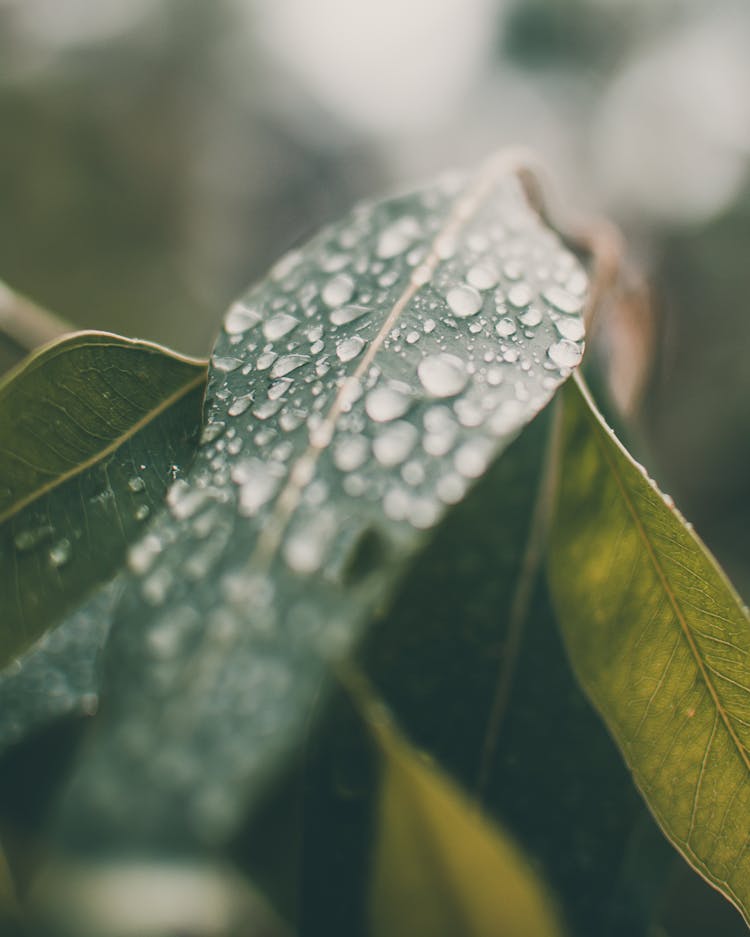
column 357, row 394
column 660, row 642
column 441, row 867
column 93, row 428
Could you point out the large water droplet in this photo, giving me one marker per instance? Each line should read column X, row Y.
column 562, row 300
column 338, row 290
column 350, row 452
column 483, row 277
column 345, row 314
column 505, row 327
column 571, row 328
column 240, row 318
column 279, row 325
column 565, row 354
column 350, row 348
column 225, row 363
column 386, row 403
column 239, row 405
column 442, row 375
column 288, row 363
column 394, row 443
column 519, row 296
column 464, row 301
column 395, row 239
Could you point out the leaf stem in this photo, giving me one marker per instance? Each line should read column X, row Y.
column 531, row 561
column 26, row 324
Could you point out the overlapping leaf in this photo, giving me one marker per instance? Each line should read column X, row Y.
column 440, row 868
column 356, row 395
column 93, row 429
column 661, row 642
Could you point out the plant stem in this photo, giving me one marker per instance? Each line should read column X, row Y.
column 26, row 324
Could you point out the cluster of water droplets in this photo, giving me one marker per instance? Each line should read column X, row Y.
column 354, row 396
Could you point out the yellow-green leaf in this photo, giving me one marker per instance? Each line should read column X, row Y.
column 661, row 643
column 440, row 867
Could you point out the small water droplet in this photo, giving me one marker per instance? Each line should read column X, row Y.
column 442, row 375
column 239, row 405
column 464, row 301
column 225, row 363
column 505, row 327
column 31, row 537
column 142, row 512
column 60, row 553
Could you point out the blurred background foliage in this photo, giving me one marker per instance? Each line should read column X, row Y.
column 157, row 155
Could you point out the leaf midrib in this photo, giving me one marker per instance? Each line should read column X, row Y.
column 102, row 454
column 672, row 598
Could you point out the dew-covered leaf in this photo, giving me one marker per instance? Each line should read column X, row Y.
column 440, row 866
column 93, row 429
column 356, row 395
column 661, row 643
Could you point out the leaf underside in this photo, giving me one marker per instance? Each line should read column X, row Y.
column 661, row 643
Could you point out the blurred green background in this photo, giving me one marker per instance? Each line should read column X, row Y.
column 158, row 155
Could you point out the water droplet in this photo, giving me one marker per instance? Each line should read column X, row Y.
column 394, row 443
column 464, row 301
column 142, row 512
column 395, row 239
column 279, row 325
column 386, row 403
column 239, row 405
column 141, row 555
column 288, row 363
column 571, row 328
column 345, row 314
column 442, row 375
column 471, row 458
column 483, row 277
column 530, row 317
column 565, row 354
column 136, row 484
column 562, row 300
column 505, row 327
column 28, row 539
column 212, row 431
column 350, row 452
column 451, row 488
column 257, row 483
column 225, row 363
column 412, row 337
column 306, row 547
column 350, row 348
column 265, row 360
column 267, row 409
column 429, row 326
column 338, row 290
column 520, row 295
column 240, row 318
column 183, row 500
column 60, row 553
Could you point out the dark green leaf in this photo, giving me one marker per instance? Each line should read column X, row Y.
column 356, row 395
column 660, row 641
column 93, row 429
